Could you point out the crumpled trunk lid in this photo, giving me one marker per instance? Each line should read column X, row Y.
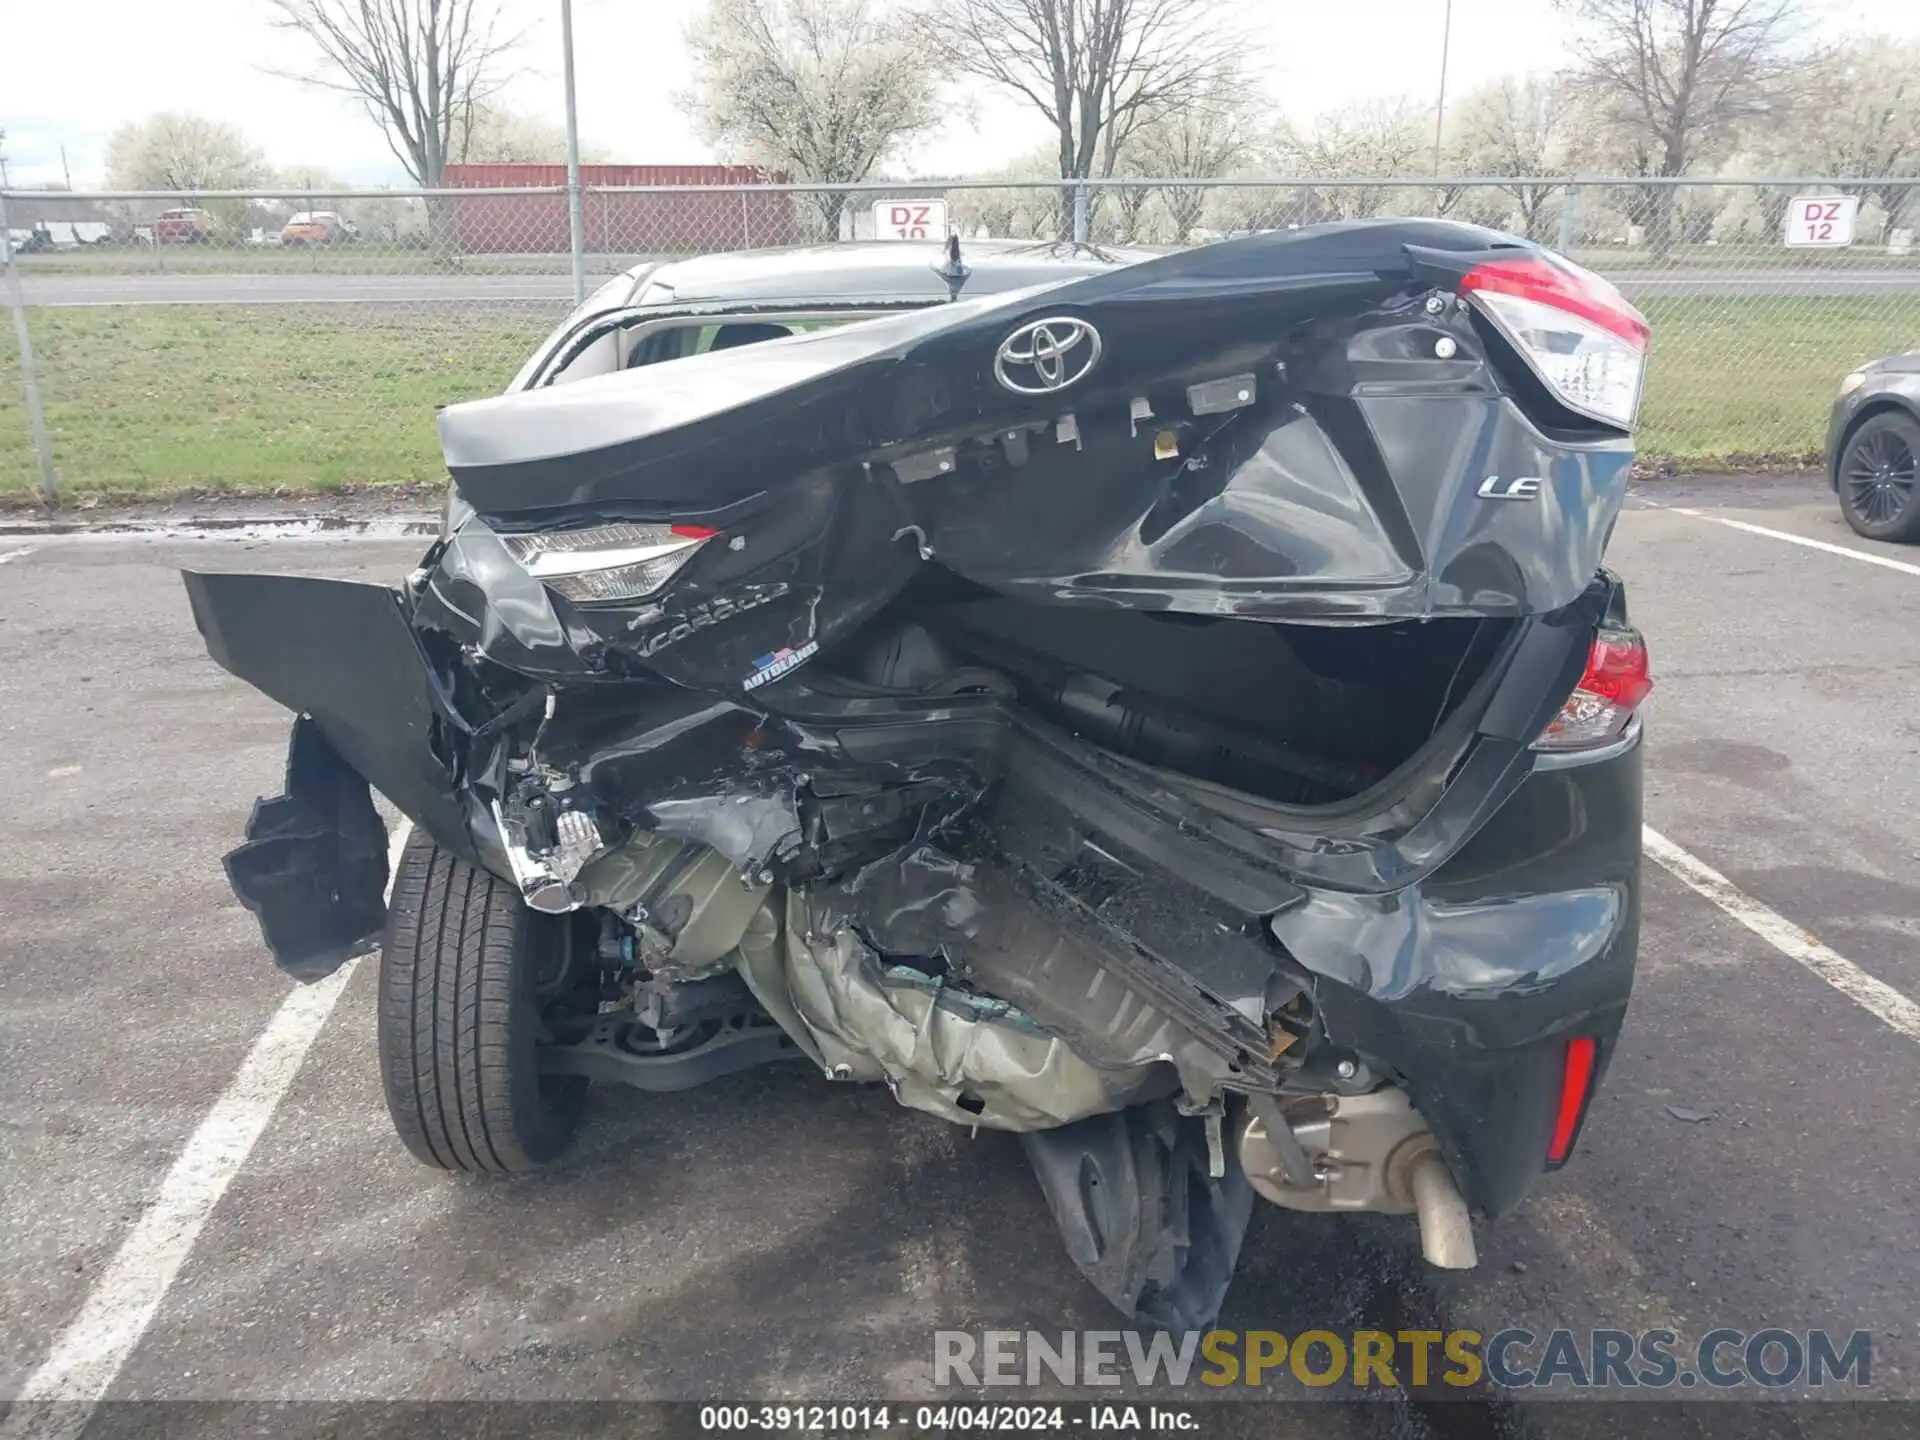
column 1296, row 426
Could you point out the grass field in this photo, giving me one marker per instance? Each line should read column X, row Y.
column 1755, row 376
column 163, row 398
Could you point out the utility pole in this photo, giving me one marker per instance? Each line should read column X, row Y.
column 575, row 219
column 1440, row 110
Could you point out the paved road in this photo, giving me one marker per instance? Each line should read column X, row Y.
column 323, row 288
column 773, row 1235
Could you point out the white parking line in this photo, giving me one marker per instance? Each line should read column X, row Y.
column 59, row 1398
column 1874, row 996
column 1885, row 561
column 17, row 554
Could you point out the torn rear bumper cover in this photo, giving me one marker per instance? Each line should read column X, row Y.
column 1155, row 785
column 343, row 657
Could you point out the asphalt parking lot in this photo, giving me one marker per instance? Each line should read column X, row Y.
column 1750, row 1162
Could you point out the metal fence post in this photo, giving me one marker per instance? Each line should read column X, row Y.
column 36, row 417
column 576, row 226
column 1569, row 217
column 1079, row 214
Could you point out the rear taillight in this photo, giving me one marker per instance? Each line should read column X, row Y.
column 1576, row 1087
column 604, row 564
column 1618, row 677
column 1583, row 339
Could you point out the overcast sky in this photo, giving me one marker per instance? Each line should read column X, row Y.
column 69, row 72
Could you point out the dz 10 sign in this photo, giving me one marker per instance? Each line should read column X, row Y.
column 910, row 219
column 1821, row 220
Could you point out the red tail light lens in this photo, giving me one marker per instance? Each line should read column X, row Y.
column 1617, row 679
column 1576, row 1085
column 1577, row 333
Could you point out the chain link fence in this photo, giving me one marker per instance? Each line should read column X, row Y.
column 303, row 340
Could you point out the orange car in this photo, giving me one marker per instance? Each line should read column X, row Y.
column 318, row 227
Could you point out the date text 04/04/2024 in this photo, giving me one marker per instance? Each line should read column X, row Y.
column 943, row 1418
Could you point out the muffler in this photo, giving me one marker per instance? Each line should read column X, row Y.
column 1359, row 1152
column 1446, row 1230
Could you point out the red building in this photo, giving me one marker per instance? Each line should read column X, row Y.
column 621, row 223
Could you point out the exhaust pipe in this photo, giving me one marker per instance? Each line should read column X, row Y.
column 1359, row 1152
column 1446, row 1230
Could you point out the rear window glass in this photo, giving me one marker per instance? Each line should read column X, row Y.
column 704, row 341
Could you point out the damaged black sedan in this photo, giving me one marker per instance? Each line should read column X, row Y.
column 1171, row 708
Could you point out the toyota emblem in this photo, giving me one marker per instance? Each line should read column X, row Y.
column 1043, row 356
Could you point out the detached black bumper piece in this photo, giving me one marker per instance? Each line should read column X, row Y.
column 343, row 658
column 313, row 869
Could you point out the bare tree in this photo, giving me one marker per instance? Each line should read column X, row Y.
column 1516, row 128
column 1121, row 213
column 1365, row 139
column 1686, row 75
column 822, row 89
column 418, row 67
column 1677, row 80
column 1096, row 69
column 1868, row 123
column 176, row 151
column 496, row 136
column 1026, row 207
column 1216, row 129
column 307, row 180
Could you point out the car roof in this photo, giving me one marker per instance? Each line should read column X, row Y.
column 892, row 271
column 851, row 274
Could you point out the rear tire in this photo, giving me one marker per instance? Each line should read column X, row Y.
column 1144, row 1219
column 1879, row 478
column 459, row 1021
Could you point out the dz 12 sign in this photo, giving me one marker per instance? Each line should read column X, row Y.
column 1821, row 220
column 910, row 219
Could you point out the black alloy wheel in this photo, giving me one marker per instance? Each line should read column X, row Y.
column 1879, row 475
